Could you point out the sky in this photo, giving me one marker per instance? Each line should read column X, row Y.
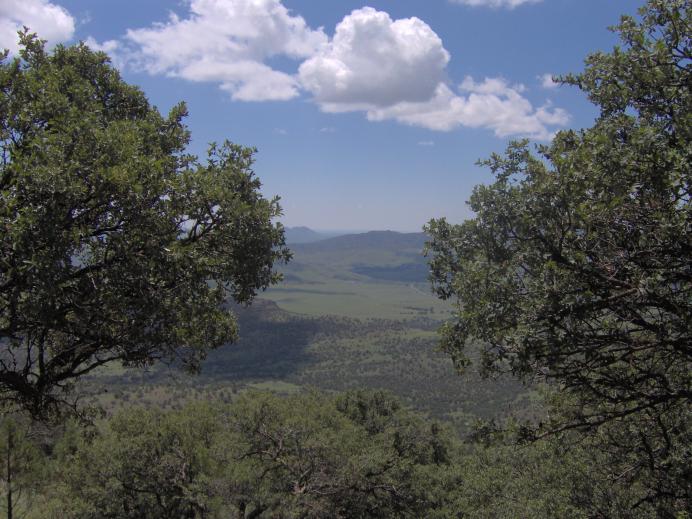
column 367, row 115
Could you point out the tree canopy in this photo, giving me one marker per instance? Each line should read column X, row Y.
column 576, row 267
column 357, row 454
column 310, row 456
column 115, row 243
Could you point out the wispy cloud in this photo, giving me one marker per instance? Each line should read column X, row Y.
column 547, row 81
column 426, row 143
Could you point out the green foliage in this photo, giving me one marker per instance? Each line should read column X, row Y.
column 143, row 464
column 114, row 243
column 576, row 267
column 23, row 473
column 564, row 476
column 355, row 455
column 262, row 456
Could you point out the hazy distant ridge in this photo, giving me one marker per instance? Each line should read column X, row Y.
column 386, row 240
column 379, row 255
column 303, row 235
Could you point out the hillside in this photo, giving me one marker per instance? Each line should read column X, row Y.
column 375, row 248
column 374, row 274
column 383, row 240
column 296, row 235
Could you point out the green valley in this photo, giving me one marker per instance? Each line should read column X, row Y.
column 348, row 315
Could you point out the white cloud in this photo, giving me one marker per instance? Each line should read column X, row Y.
column 389, row 69
column 50, row 21
column 491, row 104
column 373, row 61
column 109, row 47
column 426, row 143
column 228, row 41
column 396, row 70
column 547, row 81
column 511, row 4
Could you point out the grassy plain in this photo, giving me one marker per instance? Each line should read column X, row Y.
column 324, row 279
column 356, row 298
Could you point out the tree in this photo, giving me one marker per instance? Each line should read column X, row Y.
column 576, row 267
column 142, row 463
column 307, row 455
column 562, row 476
column 22, row 463
column 115, row 244
column 357, row 455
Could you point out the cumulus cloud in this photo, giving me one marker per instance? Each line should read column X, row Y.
column 50, row 21
column 396, row 70
column 227, row 41
column 492, row 104
column 373, row 61
column 547, row 81
column 511, row 4
column 388, row 69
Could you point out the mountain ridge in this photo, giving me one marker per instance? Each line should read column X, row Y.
column 370, row 239
column 302, row 234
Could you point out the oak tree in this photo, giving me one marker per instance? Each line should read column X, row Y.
column 576, row 267
column 115, row 243
column 304, row 456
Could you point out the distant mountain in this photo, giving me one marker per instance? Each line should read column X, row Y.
column 378, row 255
column 303, row 235
column 382, row 240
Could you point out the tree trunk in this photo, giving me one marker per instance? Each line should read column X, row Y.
column 9, row 473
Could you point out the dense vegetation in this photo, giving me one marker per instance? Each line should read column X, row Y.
column 359, row 454
column 573, row 276
column 577, row 268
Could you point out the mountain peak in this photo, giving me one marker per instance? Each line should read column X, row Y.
column 302, row 234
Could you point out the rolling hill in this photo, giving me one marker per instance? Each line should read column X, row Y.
column 375, row 274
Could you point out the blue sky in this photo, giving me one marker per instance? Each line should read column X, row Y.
column 366, row 115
